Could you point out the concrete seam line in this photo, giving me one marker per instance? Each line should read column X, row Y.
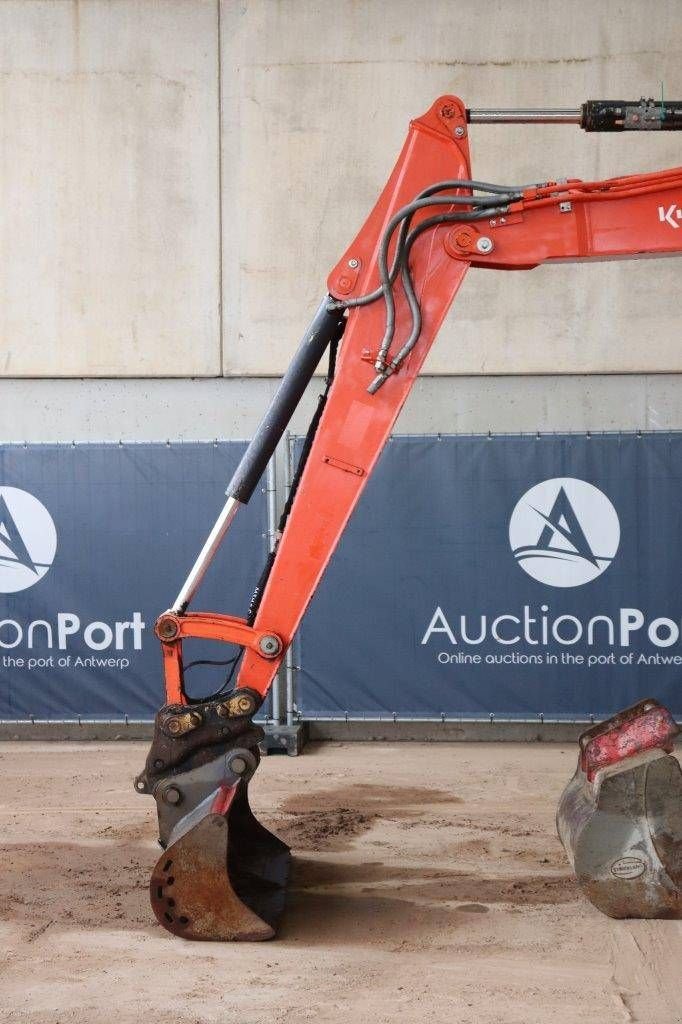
column 221, row 355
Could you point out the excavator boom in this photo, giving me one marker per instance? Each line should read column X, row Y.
column 387, row 298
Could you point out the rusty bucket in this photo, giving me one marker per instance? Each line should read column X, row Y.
column 620, row 816
column 222, row 875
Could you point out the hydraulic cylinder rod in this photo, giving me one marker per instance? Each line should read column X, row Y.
column 523, row 115
column 206, row 555
column 594, row 116
column 324, row 328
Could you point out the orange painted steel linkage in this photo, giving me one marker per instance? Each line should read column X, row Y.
column 554, row 222
column 222, row 875
column 171, row 629
column 355, row 425
column 606, row 220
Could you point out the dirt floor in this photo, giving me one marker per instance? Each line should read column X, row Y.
column 429, row 885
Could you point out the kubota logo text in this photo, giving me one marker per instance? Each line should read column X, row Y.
column 28, row 540
column 564, row 532
column 670, row 215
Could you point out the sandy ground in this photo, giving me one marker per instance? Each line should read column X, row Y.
column 429, row 885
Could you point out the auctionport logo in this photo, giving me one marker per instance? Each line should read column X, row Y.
column 564, row 532
column 28, row 540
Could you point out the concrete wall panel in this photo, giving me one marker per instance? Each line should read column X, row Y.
column 198, row 410
column 316, row 99
column 109, row 226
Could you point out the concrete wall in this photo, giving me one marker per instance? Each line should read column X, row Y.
column 191, row 410
column 109, row 194
column 316, row 100
column 129, row 128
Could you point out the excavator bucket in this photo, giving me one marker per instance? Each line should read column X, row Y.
column 222, row 875
column 620, row 816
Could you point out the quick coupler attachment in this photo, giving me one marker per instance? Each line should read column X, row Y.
column 222, row 875
column 620, row 816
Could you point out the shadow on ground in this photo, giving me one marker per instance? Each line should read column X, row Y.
column 103, row 882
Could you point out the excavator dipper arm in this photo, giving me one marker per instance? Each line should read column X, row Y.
column 387, row 297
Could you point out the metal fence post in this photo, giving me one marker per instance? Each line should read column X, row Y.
column 271, row 496
column 289, row 442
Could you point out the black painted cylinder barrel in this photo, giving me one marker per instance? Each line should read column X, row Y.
column 324, row 328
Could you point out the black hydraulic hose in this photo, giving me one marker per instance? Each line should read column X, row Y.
column 408, row 285
column 406, row 277
column 510, row 191
column 483, row 206
column 488, row 205
column 382, row 259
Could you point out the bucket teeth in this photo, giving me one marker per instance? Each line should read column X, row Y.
column 222, row 875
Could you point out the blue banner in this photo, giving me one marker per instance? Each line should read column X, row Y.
column 95, row 541
column 514, row 575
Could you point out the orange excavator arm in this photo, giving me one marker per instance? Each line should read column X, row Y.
column 456, row 224
column 387, row 298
